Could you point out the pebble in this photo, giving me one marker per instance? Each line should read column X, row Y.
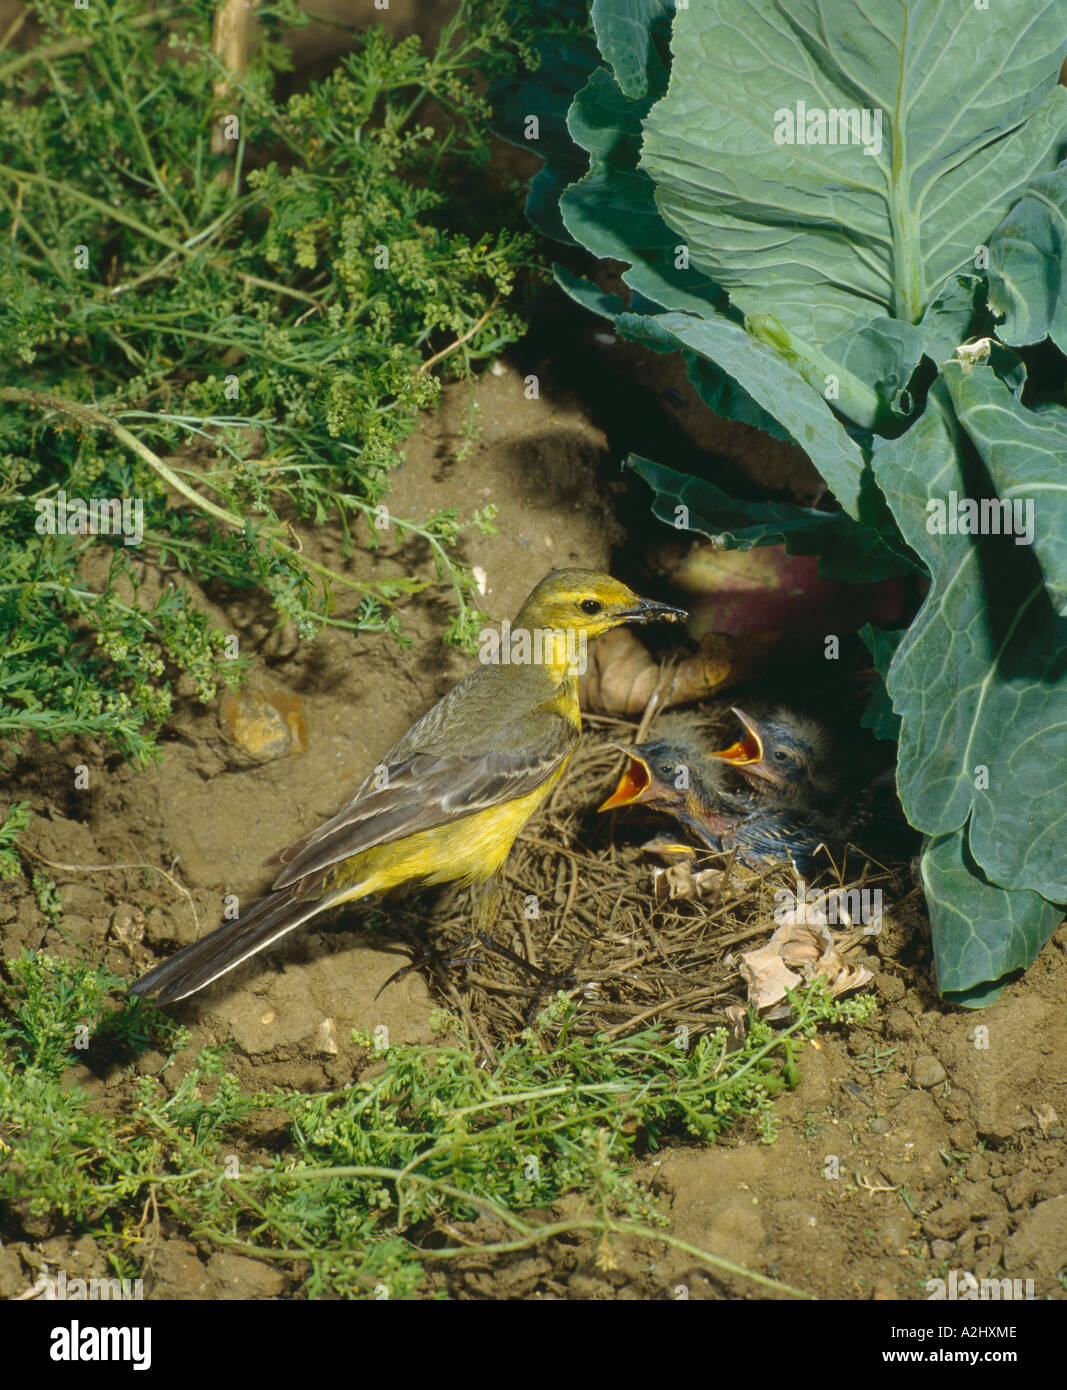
column 266, row 723
column 927, row 1071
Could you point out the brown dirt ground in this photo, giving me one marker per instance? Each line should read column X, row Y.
column 968, row 1174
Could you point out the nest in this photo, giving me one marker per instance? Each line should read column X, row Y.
column 586, row 910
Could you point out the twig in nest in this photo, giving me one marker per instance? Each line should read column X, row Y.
column 666, row 679
column 659, row 1008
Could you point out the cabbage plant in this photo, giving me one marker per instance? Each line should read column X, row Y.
column 850, row 219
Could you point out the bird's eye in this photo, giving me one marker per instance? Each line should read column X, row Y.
column 780, row 756
column 589, row 606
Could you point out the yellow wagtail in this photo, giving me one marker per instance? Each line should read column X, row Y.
column 448, row 800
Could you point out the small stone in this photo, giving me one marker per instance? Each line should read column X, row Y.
column 948, row 1221
column 927, row 1071
column 941, row 1249
column 128, row 925
column 879, row 1125
column 900, row 1024
column 265, row 723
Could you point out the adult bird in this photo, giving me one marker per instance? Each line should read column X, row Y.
column 447, row 801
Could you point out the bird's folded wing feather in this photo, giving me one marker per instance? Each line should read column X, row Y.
column 429, row 789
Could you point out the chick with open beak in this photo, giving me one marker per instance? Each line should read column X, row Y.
column 787, row 760
column 677, row 778
column 672, row 776
column 784, row 757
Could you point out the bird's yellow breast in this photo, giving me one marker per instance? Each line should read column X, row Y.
column 470, row 850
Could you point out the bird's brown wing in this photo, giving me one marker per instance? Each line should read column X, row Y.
column 428, row 790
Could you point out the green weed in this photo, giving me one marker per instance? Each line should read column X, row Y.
column 364, row 1195
column 13, row 824
column 239, row 341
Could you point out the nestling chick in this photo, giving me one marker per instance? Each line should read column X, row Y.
column 788, row 760
column 677, row 776
column 785, row 757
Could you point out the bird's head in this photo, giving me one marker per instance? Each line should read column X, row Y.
column 673, row 777
column 588, row 602
column 661, row 774
column 784, row 753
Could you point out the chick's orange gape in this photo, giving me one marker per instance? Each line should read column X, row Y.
column 457, row 788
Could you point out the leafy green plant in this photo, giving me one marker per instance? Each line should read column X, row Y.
column 367, row 1188
column 46, row 1003
column 226, row 310
column 46, row 893
column 13, row 824
column 822, row 282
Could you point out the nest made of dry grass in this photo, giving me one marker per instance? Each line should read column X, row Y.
column 631, row 957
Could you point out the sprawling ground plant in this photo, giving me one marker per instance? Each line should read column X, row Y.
column 226, row 308
column 370, row 1181
column 849, row 219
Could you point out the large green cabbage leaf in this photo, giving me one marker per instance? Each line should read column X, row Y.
column 825, row 237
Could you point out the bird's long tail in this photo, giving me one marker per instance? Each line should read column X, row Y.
column 224, row 949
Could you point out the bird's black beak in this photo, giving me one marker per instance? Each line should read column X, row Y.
column 648, row 610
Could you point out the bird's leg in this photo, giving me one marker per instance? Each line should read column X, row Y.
column 427, row 954
column 545, row 982
column 499, row 950
column 486, row 900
